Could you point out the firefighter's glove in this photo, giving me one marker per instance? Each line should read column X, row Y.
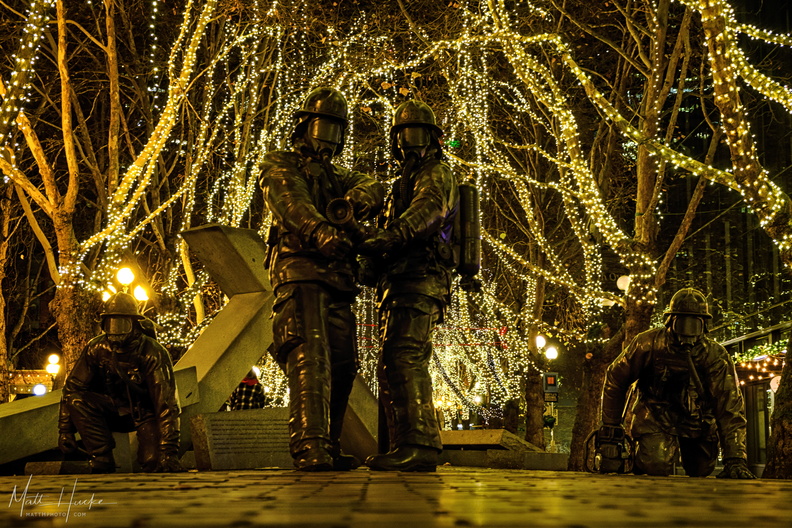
column 331, row 242
column 67, row 443
column 736, row 468
column 384, row 241
column 611, row 450
column 363, row 205
column 168, row 463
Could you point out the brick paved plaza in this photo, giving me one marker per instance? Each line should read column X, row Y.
column 453, row 496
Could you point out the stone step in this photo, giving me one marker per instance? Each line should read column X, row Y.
column 483, row 439
column 496, row 448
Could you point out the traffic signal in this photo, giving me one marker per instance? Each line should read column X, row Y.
column 550, row 381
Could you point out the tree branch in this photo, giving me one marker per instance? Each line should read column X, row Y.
column 66, row 114
column 42, row 238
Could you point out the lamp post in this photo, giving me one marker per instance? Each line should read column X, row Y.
column 550, row 382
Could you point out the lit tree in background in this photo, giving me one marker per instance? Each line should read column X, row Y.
column 563, row 114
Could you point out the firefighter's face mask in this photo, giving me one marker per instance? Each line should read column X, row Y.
column 117, row 328
column 413, row 141
column 687, row 328
column 324, row 135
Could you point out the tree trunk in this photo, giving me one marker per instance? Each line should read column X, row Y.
column 636, row 320
column 534, row 408
column 587, row 415
column 638, row 317
column 75, row 311
column 779, row 447
column 5, row 233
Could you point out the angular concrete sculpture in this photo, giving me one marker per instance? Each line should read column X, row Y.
column 239, row 334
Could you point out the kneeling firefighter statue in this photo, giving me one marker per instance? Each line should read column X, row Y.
column 417, row 253
column 315, row 207
column 688, row 402
column 123, row 381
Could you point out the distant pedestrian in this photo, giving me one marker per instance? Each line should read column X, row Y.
column 249, row 394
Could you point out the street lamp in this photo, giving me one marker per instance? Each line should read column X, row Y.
column 140, row 293
column 125, row 276
column 540, row 341
column 53, row 365
column 551, row 352
column 623, row 282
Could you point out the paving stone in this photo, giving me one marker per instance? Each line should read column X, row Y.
column 451, row 497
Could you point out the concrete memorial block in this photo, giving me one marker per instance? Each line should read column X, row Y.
column 29, row 426
column 496, row 448
column 232, row 256
column 482, row 439
column 532, row 460
column 249, row 439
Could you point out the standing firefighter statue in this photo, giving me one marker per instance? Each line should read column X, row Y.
column 123, row 381
column 687, row 403
column 315, row 207
column 416, row 259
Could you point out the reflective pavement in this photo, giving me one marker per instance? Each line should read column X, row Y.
column 452, row 497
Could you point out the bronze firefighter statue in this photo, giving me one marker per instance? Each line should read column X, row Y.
column 312, row 268
column 415, row 258
column 687, row 402
column 123, row 381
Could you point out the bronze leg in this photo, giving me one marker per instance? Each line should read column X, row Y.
column 698, row 456
column 148, row 436
column 89, row 412
column 407, row 350
column 308, row 372
column 656, row 454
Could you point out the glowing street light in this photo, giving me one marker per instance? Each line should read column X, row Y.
column 551, row 352
column 540, row 341
column 623, row 282
column 53, row 365
column 125, row 276
column 140, row 293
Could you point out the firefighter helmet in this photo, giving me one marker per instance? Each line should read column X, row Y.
column 688, row 301
column 420, row 121
column 323, row 102
column 121, row 305
column 414, row 113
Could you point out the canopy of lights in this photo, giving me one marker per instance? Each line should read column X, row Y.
column 256, row 79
